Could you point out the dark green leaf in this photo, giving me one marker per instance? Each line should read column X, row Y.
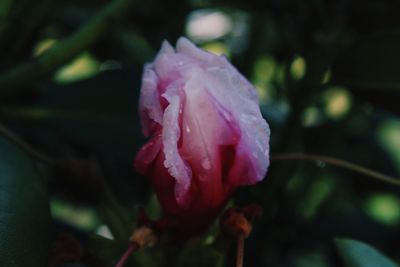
column 100, row 115
column 359, row 254
column 24, row 211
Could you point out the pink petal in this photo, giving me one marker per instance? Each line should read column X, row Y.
column 148, row 153
column 233, row 93
column 204, row 132
column 173, row 162
column 149, row 104
column 187, row 48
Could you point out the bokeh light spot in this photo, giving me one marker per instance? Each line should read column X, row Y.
column 208, row 24
column 298, row 68
column 263, row 73
column 337, row 102
column 81, row 217
column 311, row 116
column 217, row 48
column 384, row 208
column 105, row 232
column 43, row 46
column 83, row 67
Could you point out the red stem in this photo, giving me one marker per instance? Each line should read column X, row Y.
column 240, row 250
column 124, row 258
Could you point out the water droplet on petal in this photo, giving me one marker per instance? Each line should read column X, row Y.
column 206, row 164
column 187, row 129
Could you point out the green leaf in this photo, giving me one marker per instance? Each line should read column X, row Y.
column 358, row 254
column 100, row 115
column 97, row 117
column 24, row 210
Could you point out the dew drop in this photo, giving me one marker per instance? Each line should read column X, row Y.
column 320, row 164
column 202, row 177
column 206, row 164
column 188, row 129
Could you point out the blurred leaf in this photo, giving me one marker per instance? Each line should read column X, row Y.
column 44, row 45
column 99, row 115
column 81, row 217
column 19, row 20
column 358, row 254
column 24, row 211
column 83, row 66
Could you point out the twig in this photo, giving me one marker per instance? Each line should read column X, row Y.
column 240, row 250
column 274, row 157
column 124, row 258
column 12, row 81
column 27, row 147
column 340, row 163
column 143, row 236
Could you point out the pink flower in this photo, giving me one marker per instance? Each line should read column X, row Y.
column 207, row 135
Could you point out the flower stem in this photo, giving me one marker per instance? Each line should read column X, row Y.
column 340, row 163
column 124, row 258
column 240, row 250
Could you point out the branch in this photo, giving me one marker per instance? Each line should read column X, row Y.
column 274, row 157
column 340, row 163
column 12, row 81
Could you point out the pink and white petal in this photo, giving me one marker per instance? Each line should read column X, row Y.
column 148, row 153
column 149, row 105
column 204, row 127
column 199, row 56
column 171, row 134
column 233, row 95
column 168, row 67
column 166, row 48
column 244, row 86
column 204, row 131
column 163, row 63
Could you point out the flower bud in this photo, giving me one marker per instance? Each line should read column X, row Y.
column 207, row 134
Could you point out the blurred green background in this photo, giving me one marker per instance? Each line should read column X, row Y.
column 328, row 77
